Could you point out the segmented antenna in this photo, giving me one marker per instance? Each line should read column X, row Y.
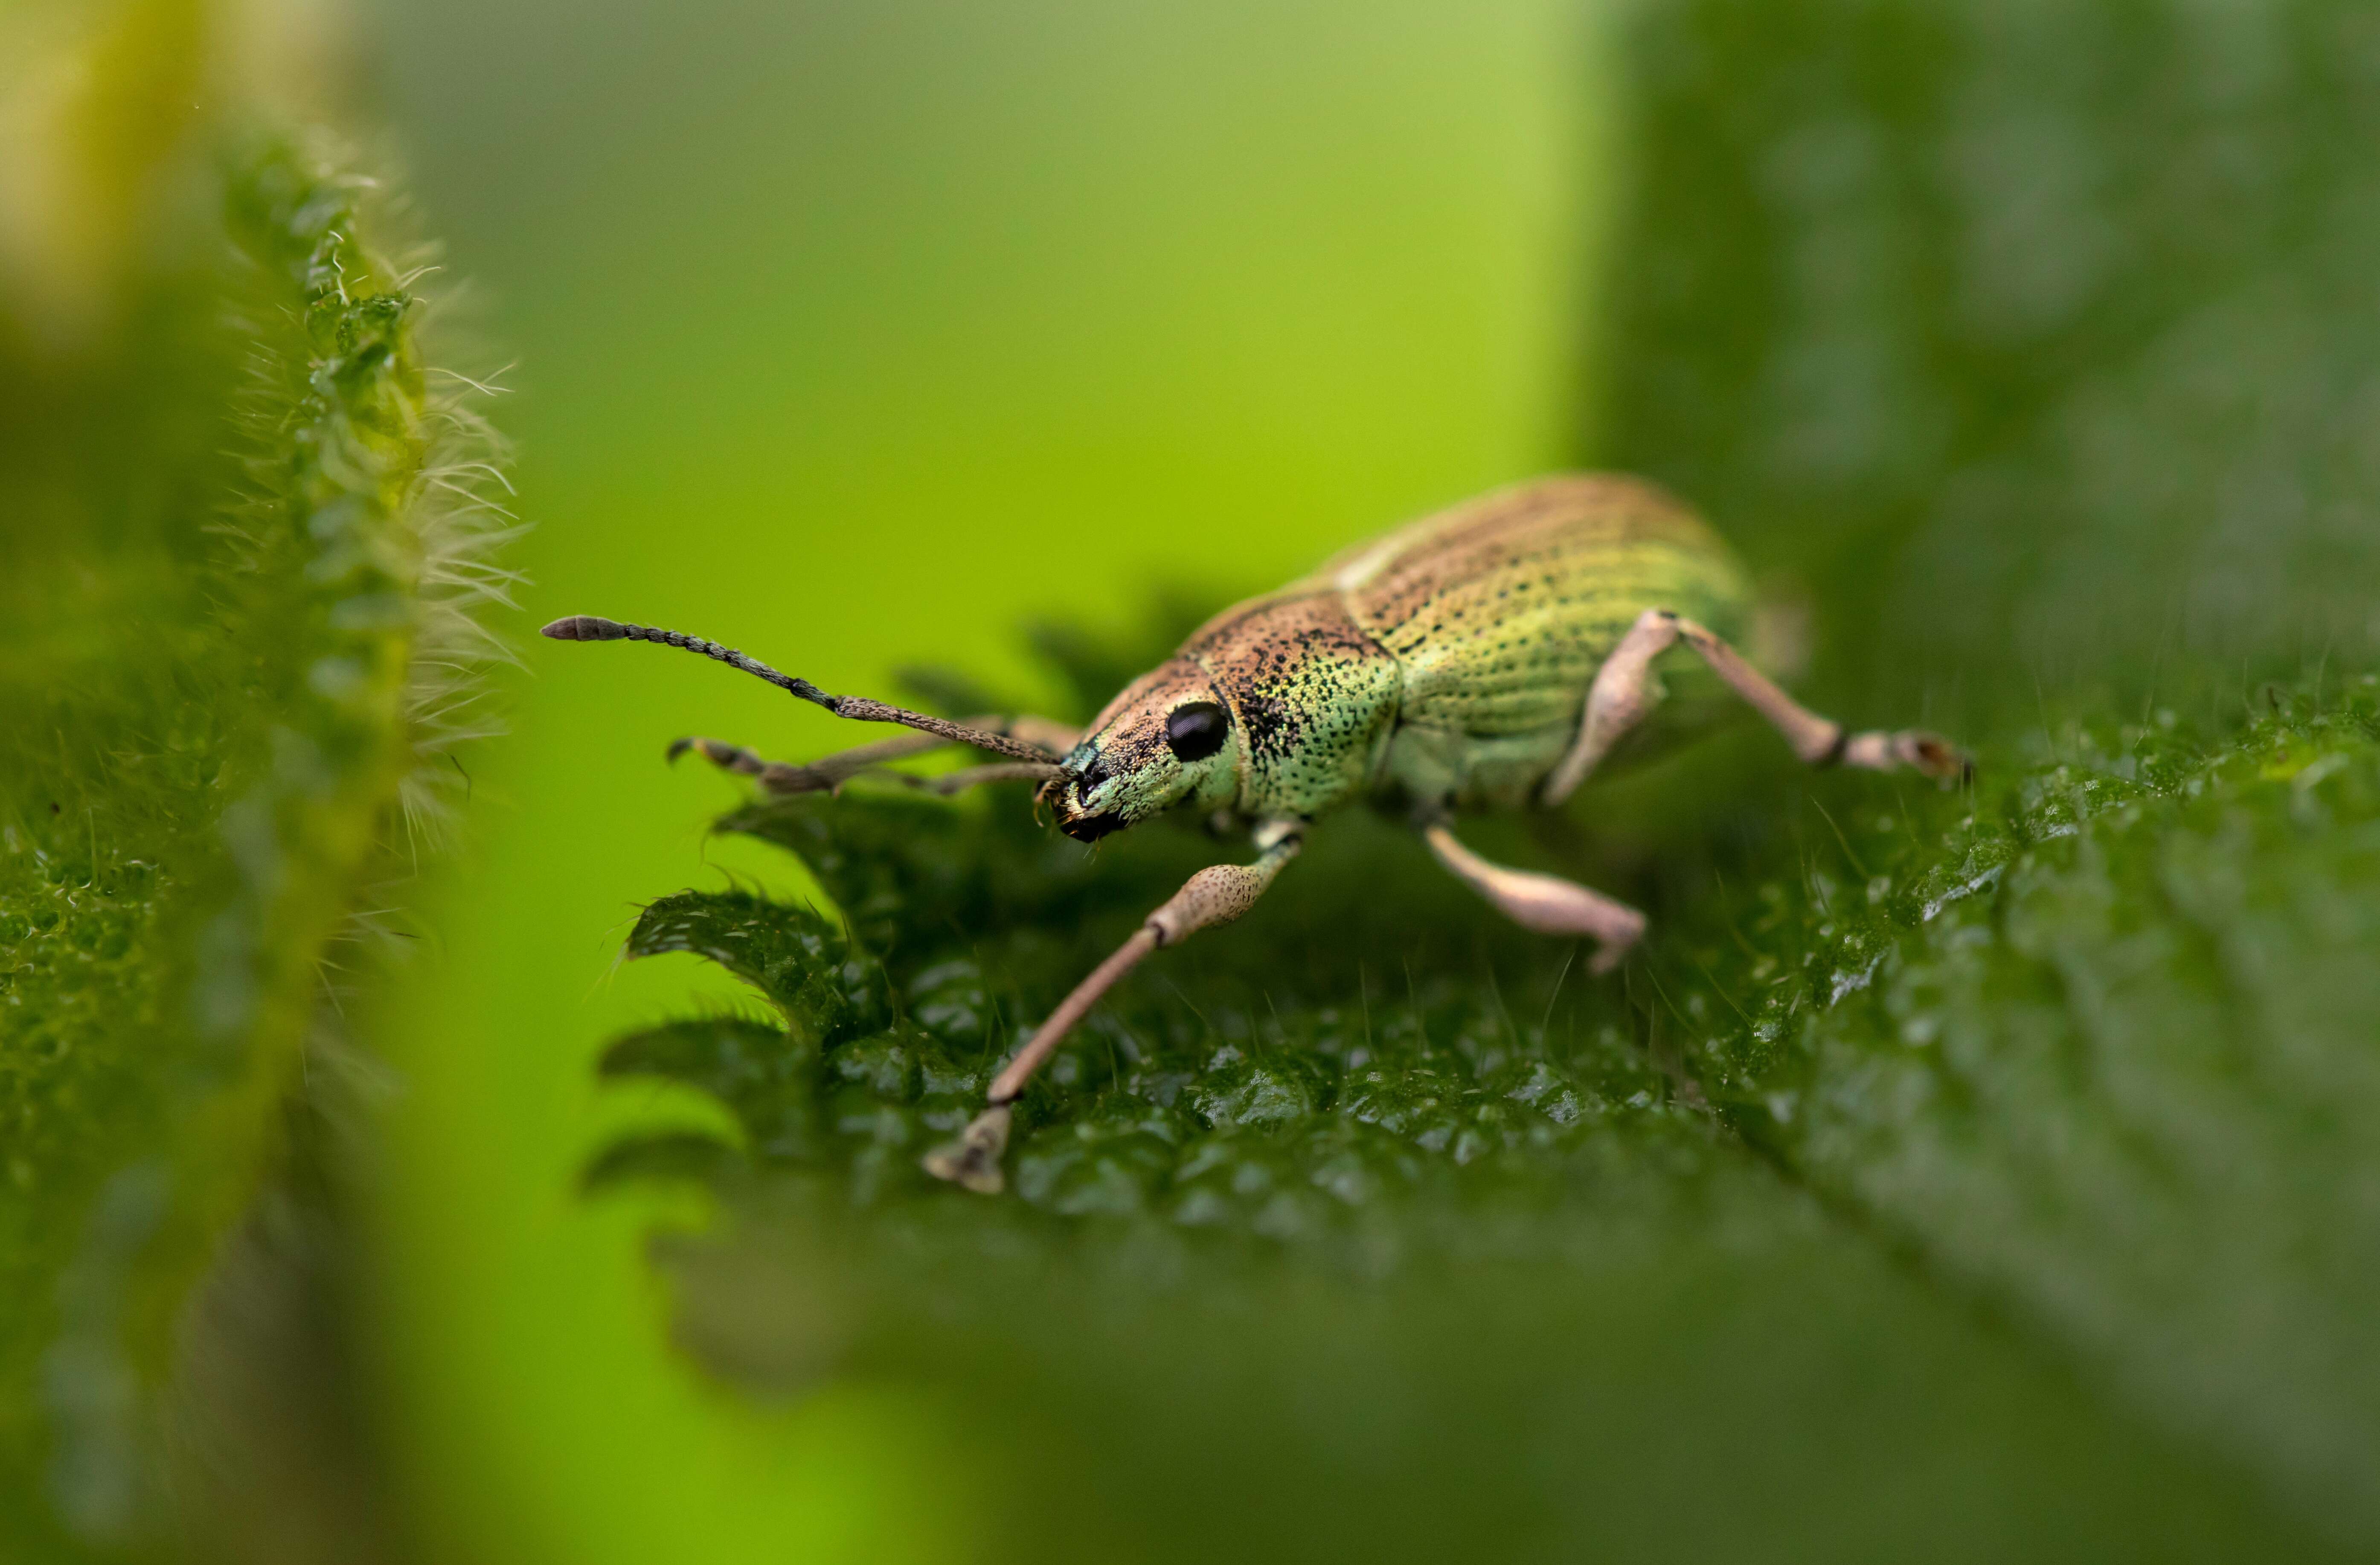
column 858, row 709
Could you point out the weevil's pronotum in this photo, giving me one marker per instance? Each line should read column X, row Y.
column 1486, row 658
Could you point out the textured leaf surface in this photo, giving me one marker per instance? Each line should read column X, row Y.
column 2109, row 1053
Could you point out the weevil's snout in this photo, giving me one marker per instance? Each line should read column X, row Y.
column 1079, row 795
column 1166, row 739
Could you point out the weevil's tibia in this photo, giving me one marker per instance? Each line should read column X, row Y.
column 1543, row 902
column 830, row 772
column 1622, row 694
column 860, row 709
column 1215, row 895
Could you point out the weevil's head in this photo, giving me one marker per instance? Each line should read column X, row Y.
column 1168, row 739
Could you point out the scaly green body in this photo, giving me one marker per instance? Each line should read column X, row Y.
column 1446, row 664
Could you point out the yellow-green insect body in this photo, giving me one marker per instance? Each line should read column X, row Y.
column 1446, row 665
column 1487, row 658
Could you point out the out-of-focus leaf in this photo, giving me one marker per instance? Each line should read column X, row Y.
column 660, row 1159
column 2035, row 344
column 244, row 536
column 2036, row 341
column 757, row 1071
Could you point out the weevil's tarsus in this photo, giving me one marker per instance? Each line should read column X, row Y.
column 719, row 753
column 776, row 776
column 1623, row 693
column 823, row 775
column 1216, row 894
column 1821, row 741
column 1543, row 902
column 1927, row 754
column 858, row 709
column 972, row 1161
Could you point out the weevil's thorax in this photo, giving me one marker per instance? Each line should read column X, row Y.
column 1313, row 698
column 1278, row 709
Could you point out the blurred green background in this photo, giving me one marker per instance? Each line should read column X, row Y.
column 2033, row 348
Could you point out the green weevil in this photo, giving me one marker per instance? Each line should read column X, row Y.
column 1488, row 657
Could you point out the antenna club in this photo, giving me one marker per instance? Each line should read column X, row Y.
column 586, row 627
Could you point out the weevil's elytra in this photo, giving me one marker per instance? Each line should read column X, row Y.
column 1486, row 658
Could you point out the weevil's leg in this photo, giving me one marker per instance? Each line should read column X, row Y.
column 830, row 772
column 1544, row 903
column 966, row 777
column 1621, row 696
column 1215, row 895
column 823, row 775
column 1622, row 693
column 1822, row 741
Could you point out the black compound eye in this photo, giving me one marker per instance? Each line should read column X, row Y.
column 1194, row 730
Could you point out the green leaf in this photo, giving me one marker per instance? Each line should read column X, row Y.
column 758, row 1071
column 1381, row 1124
column 788, row 953
column 1976, row 1174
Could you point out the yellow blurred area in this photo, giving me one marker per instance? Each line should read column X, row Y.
column 104, row 106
